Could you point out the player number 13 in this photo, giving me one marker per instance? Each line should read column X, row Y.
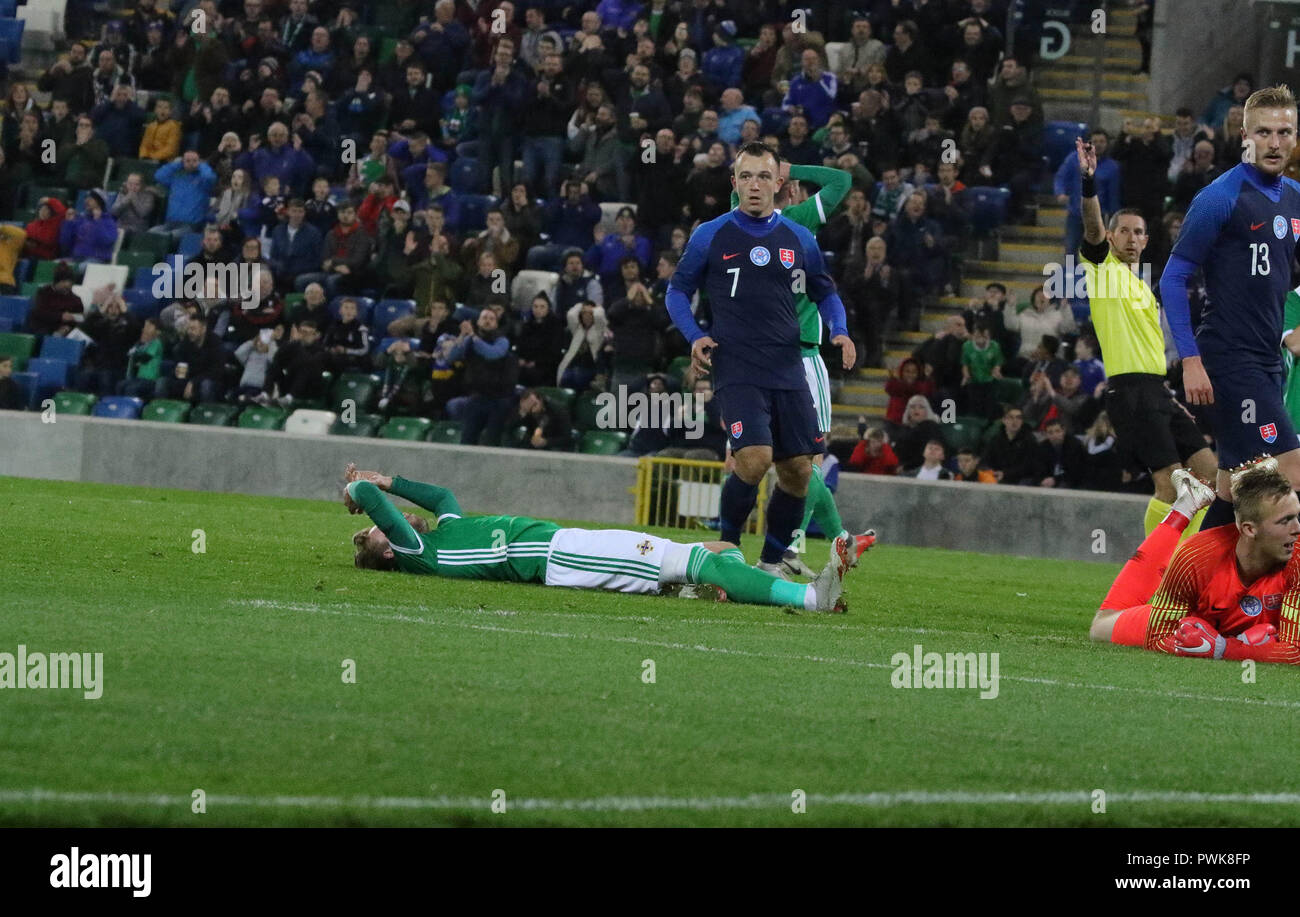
column 1258, row 259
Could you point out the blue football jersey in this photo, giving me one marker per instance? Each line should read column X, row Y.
column 749, row 269
column 1242, row 229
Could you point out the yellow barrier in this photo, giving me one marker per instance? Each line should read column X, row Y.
column 683, row 493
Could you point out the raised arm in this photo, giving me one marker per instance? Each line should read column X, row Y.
column 1094, row 229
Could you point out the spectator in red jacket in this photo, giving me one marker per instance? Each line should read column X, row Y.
column 902, row 385
column 379, row 201
column 873, row 455
column 43, row 232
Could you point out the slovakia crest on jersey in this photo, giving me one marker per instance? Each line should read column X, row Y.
column 1268, row 432
column 1273, row 601
column 1279, row 226
column 1251, row 606
column 737, row 428
column 787, row 257
column 1295, row 228
column 760, row 255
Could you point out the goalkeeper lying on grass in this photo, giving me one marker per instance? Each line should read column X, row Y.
column 1231, row 592
column 520, row 549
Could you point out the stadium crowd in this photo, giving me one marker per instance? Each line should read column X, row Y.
column 231, row 145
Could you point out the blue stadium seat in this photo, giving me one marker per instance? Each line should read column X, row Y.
column 23, row 272
column 473, row 211
column 6, row 325
column 51, row 375
column 191, row 242
column 11, row 33
column 388, row 311
column 465, row 314
column 1058, row 140
column 463, row 176
column 365, row 305
column 119, row 406
column 546, row 257
column 141, row 303
column 15, row 308
column 28, row 384
column 987, row 208
column 65, row 349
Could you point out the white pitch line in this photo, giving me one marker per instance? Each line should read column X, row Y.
column 702, row 648
column 876, row 800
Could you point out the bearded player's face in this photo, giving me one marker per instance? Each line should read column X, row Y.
column 1272, row 133
column 757, row 180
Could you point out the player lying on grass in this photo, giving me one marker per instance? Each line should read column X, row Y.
column 1230, row 592
column 520, row 549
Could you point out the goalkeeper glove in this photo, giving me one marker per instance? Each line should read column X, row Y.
column 1258, row 635
column 1194, row 636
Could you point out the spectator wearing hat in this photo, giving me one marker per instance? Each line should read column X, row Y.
column 108, row 75
column 43, row 231
column 90, row 237
column 724, row 63
column 162, row 136
column 189, row 181
column 55, row 308
column 392, row 262
column 295, row 246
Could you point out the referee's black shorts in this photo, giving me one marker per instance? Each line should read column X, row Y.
column 1149, row 422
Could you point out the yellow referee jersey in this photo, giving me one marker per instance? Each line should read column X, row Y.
column 1126, row 317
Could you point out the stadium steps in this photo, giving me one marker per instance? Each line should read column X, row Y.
column 1036, row 252
column 1084, row 95
column 1006, row 266
column 1053, row 77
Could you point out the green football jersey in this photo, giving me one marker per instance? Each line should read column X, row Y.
column 479, row 547
column 812, row 214
column 1291, row 391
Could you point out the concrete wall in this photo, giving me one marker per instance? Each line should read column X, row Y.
column 1196, row 49
column 988, row 518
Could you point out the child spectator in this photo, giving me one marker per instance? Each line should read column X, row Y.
column 981, row 364
column 399, row 391
column 347, row 341
column 91, row 236
column 461, row 123
column 376, row 204
column 969, row 469
column 872, row 454
column 255, row 355
column 321, row 210
column 1092, row 372
column 931, row 467
column 43, row 232
column 143, row 363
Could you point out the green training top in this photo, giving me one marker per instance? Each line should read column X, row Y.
column 812, row 214
column 1291, row 392
column 480, row 547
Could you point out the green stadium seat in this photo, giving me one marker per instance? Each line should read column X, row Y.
column 602, row 442
column 19, row 346
column 515, row 437
column 156, row 245
column 293, row 299
column 409, row 429
column 36, row 192
column 361, row 388
column 259, row 417
column 1009, row 391
column 124, row 167
column 557, row 397
column 166, row 411
column 387, row 50
column 363, row 425
column 445, row 431
column 29, row 289
column 586, row 411
column 136, row 259
column 964, row 434
column 214, row 414
column 76, row 404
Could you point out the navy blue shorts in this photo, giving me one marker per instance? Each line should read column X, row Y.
column 1241, row 433
column 785, row 419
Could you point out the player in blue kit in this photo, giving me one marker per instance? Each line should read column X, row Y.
column 1242, row 230
column 752, row 263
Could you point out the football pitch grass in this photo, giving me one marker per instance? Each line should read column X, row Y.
column 223, row 671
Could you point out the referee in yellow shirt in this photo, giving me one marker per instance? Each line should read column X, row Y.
column 1148, row 420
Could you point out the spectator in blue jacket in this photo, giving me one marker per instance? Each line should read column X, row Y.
column 91, row 236
column 319, row 56
column 441, row 44
column 724, row 62
column 499, row 94
column 119, row 122
column 1068, row 190
column 813, row 90
column 1243, row 84
column 295, row 247
column 282, row 159
column 571, row 219
column 733, row 116
column 618, row 14
column 617, row 245
column 188, row 180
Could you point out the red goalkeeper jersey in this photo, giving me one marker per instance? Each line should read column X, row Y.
column 1203, row 580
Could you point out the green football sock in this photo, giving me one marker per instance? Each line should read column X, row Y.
column 744, row 583
column 821, row 506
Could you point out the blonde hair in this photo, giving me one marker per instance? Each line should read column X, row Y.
column 1256, row 484
column 1279, row 96
column 367, row 557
